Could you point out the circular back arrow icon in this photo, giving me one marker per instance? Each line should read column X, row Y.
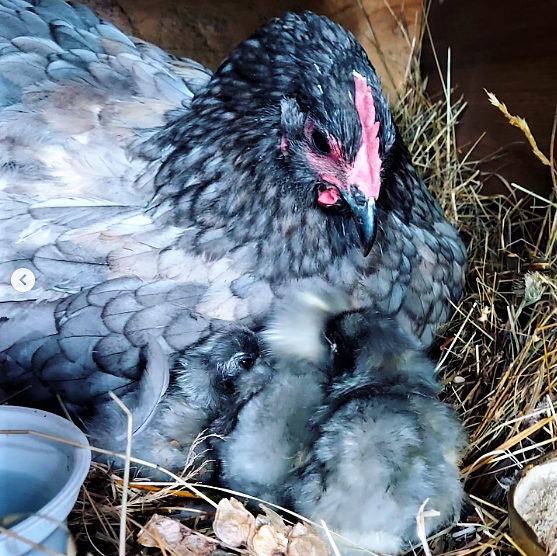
column 23, row 280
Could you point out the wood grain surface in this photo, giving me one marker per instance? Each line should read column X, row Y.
column 207, row 31
column 508, row 47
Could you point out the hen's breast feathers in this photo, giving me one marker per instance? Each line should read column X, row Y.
column 79, row 102
column 415, row 273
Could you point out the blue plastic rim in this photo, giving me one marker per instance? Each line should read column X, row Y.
column 57, row 468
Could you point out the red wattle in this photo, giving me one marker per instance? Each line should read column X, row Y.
column 328, row 197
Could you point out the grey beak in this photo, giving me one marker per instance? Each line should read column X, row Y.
column 364, row 215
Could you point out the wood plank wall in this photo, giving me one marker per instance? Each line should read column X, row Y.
column 207, row 31
column 508, row 47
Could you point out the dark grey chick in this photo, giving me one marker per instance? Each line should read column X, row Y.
column 382, row 442
column 209, row 385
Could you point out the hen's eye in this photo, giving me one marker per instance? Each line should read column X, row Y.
column 247, row 362
column 319, row 142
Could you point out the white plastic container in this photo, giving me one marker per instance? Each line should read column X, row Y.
column 39, row 479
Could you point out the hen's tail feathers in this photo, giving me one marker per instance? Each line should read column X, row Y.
column 297, row 326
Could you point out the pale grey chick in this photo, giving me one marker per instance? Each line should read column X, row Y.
column 209, row 385
column 272, row 428
column 270, row 432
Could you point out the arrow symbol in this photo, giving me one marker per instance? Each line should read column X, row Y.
column 23, row 279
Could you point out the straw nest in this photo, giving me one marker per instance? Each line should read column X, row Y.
column 497, row 358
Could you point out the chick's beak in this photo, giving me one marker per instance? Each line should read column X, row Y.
column 363, row 212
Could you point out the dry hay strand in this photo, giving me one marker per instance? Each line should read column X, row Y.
column 497, row 356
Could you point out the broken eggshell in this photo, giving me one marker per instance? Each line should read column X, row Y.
column 521, row 532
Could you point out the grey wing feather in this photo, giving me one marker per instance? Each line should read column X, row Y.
column 80, row 101
column 98, row 340
column 152, row 387
column 42, row 46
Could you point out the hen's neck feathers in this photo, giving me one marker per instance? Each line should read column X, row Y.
column 234, row 184
column 236, row 189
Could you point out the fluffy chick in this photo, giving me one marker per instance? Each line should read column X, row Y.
column 382, row 442
column 209, row 385
column 272, row 428
column 270, row 432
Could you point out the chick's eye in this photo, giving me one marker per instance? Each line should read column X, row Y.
column 320, row 142
column 247, row 362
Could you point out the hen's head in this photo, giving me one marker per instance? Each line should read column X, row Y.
column 296, row 119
